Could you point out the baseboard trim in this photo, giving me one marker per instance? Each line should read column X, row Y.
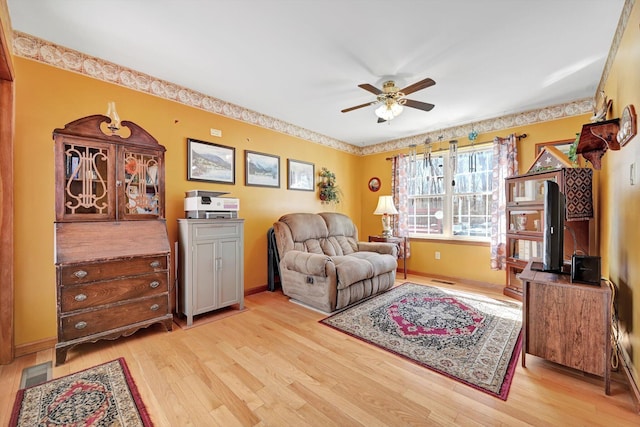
column 492, row 286
column 633, row 386
column 256, row 290
column 35, row 346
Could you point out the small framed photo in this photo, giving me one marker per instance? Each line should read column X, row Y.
column 628, row 127
column 261, row 170
column 563, row 145
column 374, row 184
column 210, row 162
column 300, row 175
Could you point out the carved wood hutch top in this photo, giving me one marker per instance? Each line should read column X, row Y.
column 103, row 176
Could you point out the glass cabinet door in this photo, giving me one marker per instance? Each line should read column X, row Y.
column 87, row 192
column 528, row 190
column 523, row 249
column 526, row 220
column 141, row 185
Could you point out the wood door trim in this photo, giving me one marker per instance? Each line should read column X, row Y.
column 7, row 108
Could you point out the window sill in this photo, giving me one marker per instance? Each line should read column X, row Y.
column 450, row 240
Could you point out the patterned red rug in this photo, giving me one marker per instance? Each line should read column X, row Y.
column 471, row 338
column 104, row 395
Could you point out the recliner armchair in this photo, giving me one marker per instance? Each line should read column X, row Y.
column 323, row 265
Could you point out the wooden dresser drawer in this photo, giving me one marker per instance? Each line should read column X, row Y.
column 114, row 317
column 90, row 272
column 100, row 293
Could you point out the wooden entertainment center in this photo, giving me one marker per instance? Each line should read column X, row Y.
column 567, row 323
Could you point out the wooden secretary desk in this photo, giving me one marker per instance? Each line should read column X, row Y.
column 112, row 251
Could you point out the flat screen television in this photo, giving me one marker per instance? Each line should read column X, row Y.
column 553, row 230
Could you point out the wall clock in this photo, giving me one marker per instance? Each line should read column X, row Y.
column 374, row 184
column 628, row 127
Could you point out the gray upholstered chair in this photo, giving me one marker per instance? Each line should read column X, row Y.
column 323, row 265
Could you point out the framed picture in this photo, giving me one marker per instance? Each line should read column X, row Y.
column 261, row 170
column 374, row 184
column 210, row 162
column 563, row 146
column 628, row 127
column 300, row 175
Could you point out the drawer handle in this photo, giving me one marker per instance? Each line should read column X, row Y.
column 154, row 284
column 155, row 307
column 80, row 297
column 155, row 264
column 81, row 325
column 80, row 274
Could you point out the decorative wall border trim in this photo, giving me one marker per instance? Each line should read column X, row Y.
column 546, row 114
column 31, row 47
column 40, row 50
column 615, row 43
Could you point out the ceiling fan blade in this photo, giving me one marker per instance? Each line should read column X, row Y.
column 381, row 120
column 346, row 110
column 374, row 90
column 419, row 105
column 422, row 84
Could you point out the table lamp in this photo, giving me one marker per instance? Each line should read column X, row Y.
column 385, row 208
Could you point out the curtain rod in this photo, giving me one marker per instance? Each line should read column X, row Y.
column 518, row 137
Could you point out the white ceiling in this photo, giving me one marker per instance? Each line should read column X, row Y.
column 301, row 60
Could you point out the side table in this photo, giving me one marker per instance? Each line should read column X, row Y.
column 567, row 323
column 401, row 242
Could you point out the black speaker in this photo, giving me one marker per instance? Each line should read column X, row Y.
column 585, row 269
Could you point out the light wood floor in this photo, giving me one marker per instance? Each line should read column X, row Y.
column 275, row 365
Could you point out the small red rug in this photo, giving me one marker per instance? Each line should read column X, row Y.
column 104, row 395
column 470, row 338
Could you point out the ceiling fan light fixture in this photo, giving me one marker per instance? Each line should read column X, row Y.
column 389, row 110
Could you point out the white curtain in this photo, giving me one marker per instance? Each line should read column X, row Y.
column 505, row 164
column 400, row 190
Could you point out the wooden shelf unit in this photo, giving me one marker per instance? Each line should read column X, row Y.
column 525, row 216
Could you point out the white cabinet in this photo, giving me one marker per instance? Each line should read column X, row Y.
column 211, row 265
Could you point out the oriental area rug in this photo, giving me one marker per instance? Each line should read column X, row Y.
column 104, row 395
column 470, row 338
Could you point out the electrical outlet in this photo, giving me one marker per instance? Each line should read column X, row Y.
column 437, row 254
column 632, row 173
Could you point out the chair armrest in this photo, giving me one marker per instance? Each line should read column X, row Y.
column 380, row 247
column 307, row 263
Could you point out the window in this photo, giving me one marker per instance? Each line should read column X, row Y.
column 451, row 199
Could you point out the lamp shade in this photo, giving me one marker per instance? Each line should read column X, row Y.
column 385, row 206
column 388, row 110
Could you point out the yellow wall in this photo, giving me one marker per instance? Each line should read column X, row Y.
column 475, row 267
column 48, row 98
column 620, row 201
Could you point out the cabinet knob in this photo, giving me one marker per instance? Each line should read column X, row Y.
column 154, row 284
column 80, row 297
column 81, row 325
column 155, row 264
column 155, row 307
column 80, row 274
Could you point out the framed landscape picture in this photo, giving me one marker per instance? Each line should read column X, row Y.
column 261, row 170
column 300, row 175
column 210, row 162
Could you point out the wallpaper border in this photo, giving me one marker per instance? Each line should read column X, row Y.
column 34, row 48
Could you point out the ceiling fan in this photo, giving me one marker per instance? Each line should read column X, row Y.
column 392, row 99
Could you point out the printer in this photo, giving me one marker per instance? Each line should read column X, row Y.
column 209, row 204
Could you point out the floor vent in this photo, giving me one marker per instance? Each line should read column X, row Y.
column 34, row 375
column 445, row 282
